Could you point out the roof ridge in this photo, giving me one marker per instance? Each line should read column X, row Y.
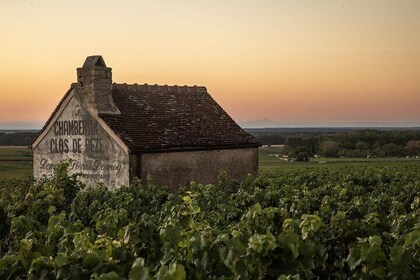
column 160, row 88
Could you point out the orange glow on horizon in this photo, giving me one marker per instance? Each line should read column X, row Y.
column 293, row 61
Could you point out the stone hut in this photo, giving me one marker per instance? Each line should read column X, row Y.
column 113, row 132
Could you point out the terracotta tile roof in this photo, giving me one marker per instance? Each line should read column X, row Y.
column 155, row 117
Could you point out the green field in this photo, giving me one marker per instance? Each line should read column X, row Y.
column 15, row 153
column 16, row 162
column 269, row 162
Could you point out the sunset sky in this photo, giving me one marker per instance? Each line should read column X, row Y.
column 313, row 62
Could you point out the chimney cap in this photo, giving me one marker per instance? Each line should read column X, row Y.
column 94, row 61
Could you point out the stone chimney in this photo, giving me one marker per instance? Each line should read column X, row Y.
column 94, row 83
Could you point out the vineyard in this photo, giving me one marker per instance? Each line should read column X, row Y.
column 346, row 222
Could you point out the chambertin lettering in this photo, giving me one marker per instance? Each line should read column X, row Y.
column 76, row 127
column 69, row 128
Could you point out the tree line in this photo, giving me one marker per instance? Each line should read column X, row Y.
column 327, row 142
column 342, row 143
column 17, row 138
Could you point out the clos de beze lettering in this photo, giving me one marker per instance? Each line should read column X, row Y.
column 68, row 138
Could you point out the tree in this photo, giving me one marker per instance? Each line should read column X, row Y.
column 295, row 141
column 392, row 150
column 289, row 151
column 360, row 145
column 413, row 148
column 303, row 149
column 330, row 148
column 302, row 156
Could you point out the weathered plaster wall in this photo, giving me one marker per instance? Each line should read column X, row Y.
column 180, row 168
column 78, row 137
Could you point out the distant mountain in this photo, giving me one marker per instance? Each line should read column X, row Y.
column 267, row 123
column 21, row 125
column 264, row 123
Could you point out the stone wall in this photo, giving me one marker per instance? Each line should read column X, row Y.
column 180, row 168
column 78, row 137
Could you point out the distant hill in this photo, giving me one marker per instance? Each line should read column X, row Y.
column 6, row 126
column 271, row 124
column 264, row 123
column 299, row 130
